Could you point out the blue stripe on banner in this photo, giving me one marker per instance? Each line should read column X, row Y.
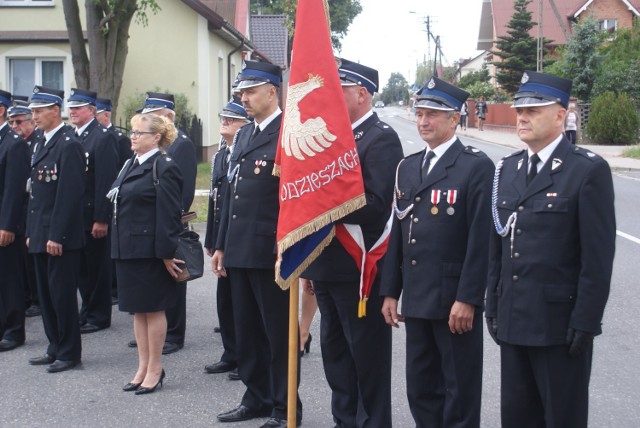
column 295, row 255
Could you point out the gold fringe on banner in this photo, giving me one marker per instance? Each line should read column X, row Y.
column 307, row 229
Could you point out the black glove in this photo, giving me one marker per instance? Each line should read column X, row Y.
column 492, row 326
column 578, row 341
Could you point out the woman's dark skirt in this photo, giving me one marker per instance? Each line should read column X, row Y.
column 144, row 285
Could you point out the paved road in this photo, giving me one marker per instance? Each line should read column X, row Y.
column 91, row 396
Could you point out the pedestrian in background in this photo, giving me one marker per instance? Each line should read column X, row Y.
column 550, row 262
column 464, row 110
column 145, row 228
column 481, row 111
column 571, row 125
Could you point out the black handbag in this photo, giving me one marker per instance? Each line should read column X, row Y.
column 189, row 247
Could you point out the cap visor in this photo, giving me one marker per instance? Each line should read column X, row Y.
column 531, row 102
column 72, row 104
column 151, row 109
column 245, row 84
column 433, row 105
column 43, row 104
column 232, row 115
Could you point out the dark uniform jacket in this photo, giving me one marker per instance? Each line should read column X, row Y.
column 559, row 271
column 146, row 221
column 123, row 146
column 183, row 152
column 57, row 189
column 248, row 226
column 379, row 151
column 102, row 160
column 435, row 259
column 217, row 195
column 14, row 171
column 36, row 138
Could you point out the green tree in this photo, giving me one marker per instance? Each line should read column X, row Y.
column 341, row 13
column 613, row 120
column 580, row 59
column 397, row 89
column 108, row 23
column 481, row 89
column 479, row 76
column 518, row 50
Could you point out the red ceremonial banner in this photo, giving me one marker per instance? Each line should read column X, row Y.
column 317, row 160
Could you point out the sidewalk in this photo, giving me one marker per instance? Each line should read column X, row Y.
column 612, row 154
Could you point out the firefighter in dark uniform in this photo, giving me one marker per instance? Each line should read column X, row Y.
column 183, row 152
column 232, row 117
column 99, row 147
column 14, row 171
column 246, row 248
column 103, row 115
column 437, row 260
column 55, row 229
column 356, row 351
column 550, row 263
column 22, row 123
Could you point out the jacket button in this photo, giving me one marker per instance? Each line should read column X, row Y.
column 242, row 160
column 418, row 198
column 515, row 278
column 549, row 205
column 415, row 219
column 239, row 178
column 236, row 197
column 413, row 241
column 518, row 231
column 520, row 208
column 233, row 216
column 413, row 262
column 516, row 255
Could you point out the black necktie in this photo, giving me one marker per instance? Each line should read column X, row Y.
column 255, row 133
column 533, row 169
column 135, row 163
column 426, row 163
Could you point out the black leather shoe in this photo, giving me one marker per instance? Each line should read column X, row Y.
column 170, row 348
column 90, row 328
column 234, row 375
column 132, row 344
column 8, row 345
column 216, row 329
column 32, row 311
column 219, row 367
column 131, row 386
column 41, row 361
column 277, row 423
column 241, row 413
column 149, row 390
column 61, row 366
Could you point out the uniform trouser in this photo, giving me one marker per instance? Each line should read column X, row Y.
column 12, row 292
column 356, row 354
column 95, row 282
column 261, row 316
column 57, row 279
column 444, row 373
column 224, row 303
column 544, row 387
column 177, row 316
column 29, row 274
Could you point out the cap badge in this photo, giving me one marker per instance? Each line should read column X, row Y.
column 431, row 84
column 525, row 78
column 338, row 62
column 36, row 90
column 73, row 92
column 244, row 65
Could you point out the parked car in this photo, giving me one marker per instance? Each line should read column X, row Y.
column 379, row 104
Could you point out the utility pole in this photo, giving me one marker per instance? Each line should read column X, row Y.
column 540, row 47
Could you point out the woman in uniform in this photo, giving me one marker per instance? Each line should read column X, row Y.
column 144, row 238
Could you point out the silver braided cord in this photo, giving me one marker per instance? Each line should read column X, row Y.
column 511, row 221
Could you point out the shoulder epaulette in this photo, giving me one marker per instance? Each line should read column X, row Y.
column 519, row 152
column 474, row 151
column 380, row 124
column 420, row 153
column 586, row 153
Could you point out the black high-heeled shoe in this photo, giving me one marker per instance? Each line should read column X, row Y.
column 131, row 386
column 144, row 390
column 307, row 346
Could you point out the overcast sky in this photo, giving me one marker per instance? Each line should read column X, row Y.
column 388, row 37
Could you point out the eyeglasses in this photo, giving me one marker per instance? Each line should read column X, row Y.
column 17, row 121
column 137, row 134
column 227, row 120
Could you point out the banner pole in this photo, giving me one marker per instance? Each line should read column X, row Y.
column 294, row 352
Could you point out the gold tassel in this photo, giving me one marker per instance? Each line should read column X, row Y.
column 362, row 307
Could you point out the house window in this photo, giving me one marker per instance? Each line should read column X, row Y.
column 608, row 25
column 27, row 3
column 25, row 73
